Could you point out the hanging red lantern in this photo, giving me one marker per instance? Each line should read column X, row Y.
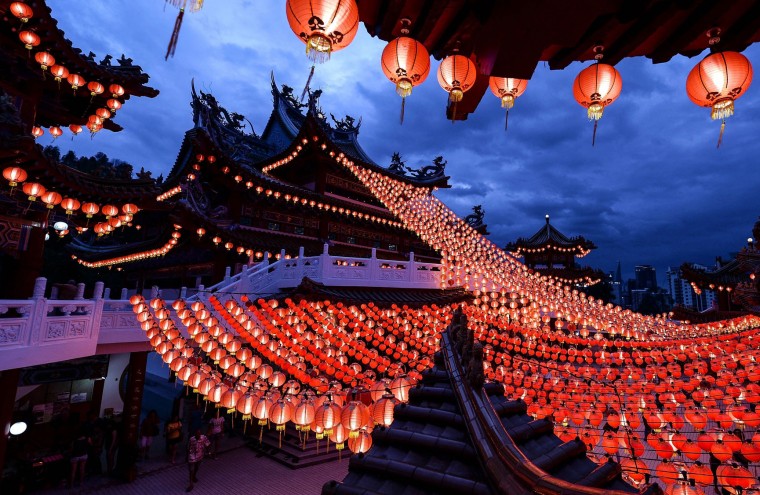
column 29, row 39
column 95, row 88
column 45, row 60
column 595, row 87
column 507, row 89
column 717, row 81
column 103, row 113
column 109, row 211
column 405, row 62
column 51, row 198
column 22, row 11
column 14, row 175
column 325, row 26
column 116, row 90
column 37, row 131
column 113, row 104
column 55, row 131
column 130, row 209
column 75, row 129
column 59, row 72
column 33, row 190
column 456, row 75
column 90, row 209
column 76, row 81
column 70, row 205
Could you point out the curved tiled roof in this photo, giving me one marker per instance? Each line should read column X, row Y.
column 549, row 235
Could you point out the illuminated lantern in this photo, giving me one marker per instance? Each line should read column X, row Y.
column 325, row 26
column 400, row 388
column 734, row 476
column 355, row 415
column 109, row 211
column 280, row 413
column 37, row 131
column 594, row 88
column 90, row 209
column 76, row 81
column 361, row 443
column 717, row 81
column 51, row 198
column 303, row 414
column 95, row 88
column 70, row 205
column 94, row 126
column 103, row 113
column 59, row 72
column 116, row 90
column 22, row 11
column 182, row 5
column 55, row 131
column 456, row 74
column 405, row 62
column 45, row 60
column 507, row 89
column 29, row 39
column 14, row 175
column 33, row 190
column 130, row 209
column 113, row 105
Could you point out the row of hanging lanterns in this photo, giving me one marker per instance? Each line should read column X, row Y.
column 326, row 26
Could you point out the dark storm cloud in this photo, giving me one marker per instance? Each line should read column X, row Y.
column 653, row 190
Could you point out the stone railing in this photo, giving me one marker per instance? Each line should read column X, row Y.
column 41, row 330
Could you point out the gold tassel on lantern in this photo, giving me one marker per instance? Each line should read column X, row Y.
column 318, row 48
column 722, row 110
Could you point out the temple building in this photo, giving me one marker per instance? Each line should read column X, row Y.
column 552, row 254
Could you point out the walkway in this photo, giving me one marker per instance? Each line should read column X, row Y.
column 238, row 470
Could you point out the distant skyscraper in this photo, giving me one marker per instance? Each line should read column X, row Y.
column 617, row 286
column 646, row 277
column 683, row 293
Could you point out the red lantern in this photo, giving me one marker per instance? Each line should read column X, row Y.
column 103, row 113
column 325, row 26
column 109, row 211
column 59, row 72
column 14, row 175
column 456, row 74
column 22, row 11
column 37, row 131
column 33, row 190
column 113, row 105
column 130, row 209
column 717, row 81
column 116, row 90
column 508, row 89
column 70, row 205
column 29, row 39
column 95, row 88
column 76, row 81
column 595, row 87
column 405, row 62
column 45, row 60
column 90, row 209
column 55, row 131
column 75, row 129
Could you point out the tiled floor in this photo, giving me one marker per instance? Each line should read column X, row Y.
column 237, row 470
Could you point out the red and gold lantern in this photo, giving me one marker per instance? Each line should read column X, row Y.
column 325, row 26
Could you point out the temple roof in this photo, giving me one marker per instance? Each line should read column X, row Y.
column 57, row 103
column 549, row 237
column 560, row 32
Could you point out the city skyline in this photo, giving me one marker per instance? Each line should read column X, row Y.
column 654, row 190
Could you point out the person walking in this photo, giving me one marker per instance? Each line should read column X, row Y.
column 173, row 433
column 216, row 430
column 148, row 431
column 78, row 459
column 196, row 449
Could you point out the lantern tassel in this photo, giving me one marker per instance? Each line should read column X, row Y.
column 308, row 81
column 506, row 120
column 403, row 102
column 593, row 136
column 722, row 130
column 175, row 35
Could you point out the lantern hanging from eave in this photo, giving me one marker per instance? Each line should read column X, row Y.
column 70, row 205
column 95, row 89
column 405, row 62
column 45, row 60
column 456, row 75
column 59, row 72
column 29, row 39
column 75, row 129
column 55, row 131
column 507, row 89
column 325, row 26
column 113, row 105
column 37, row 131
column 182, row 5
column 51, row 198
column 22, row 11
column 14, row 175
column 595, row 87
column 76, row 81
column 717, row 81
column 33, row 190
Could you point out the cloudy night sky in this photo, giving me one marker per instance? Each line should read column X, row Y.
column 654, row 190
